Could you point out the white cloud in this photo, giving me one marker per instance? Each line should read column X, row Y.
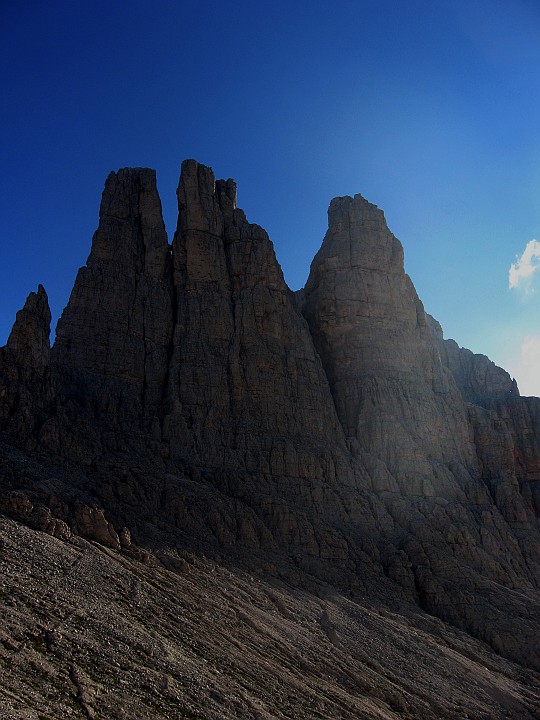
column 525, row 367
column 526, row 265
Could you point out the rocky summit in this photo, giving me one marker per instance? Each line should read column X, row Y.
column 223, row 499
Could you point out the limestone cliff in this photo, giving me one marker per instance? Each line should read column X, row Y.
column 190, row 400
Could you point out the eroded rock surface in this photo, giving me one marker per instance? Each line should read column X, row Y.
column 191, row 401
column 87, row 632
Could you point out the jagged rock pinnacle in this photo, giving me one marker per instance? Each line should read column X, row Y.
column 29, row 338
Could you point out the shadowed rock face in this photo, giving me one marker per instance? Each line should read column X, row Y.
column 28, row 341
column 246, row 387
column 113, row 337
column 194, row 404
column 25, row 387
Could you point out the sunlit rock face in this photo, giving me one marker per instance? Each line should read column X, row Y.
column 191, row 399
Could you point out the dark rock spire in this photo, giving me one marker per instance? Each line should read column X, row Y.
column 113, row 338
column 25, row 383
column 29, row 338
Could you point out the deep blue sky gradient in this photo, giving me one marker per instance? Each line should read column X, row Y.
column 428, row 108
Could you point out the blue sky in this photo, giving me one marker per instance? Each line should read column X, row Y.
column 428, row 108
